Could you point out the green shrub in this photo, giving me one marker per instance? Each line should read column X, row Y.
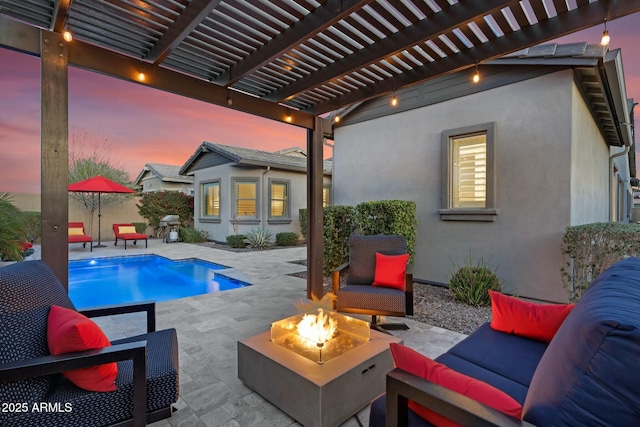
column 286, row 239
column 302, row 214
column 141, row 227
column 470, row 283
column 191, row 235
column 32, row 225
column 258, row 238
column 590, row 249
column 389, row 217
column 338, row 225
column 154, row 206
column 236, row 241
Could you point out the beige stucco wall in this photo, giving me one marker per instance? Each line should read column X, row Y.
column 124, row 212
column 219, row 230
column 398, row 157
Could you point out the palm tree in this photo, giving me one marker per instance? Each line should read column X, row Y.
column 11, row 229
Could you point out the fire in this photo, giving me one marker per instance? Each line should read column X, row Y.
column 318, row 328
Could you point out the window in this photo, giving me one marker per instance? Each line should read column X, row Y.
column 211, row 199
column 326, row 196
column 279, row 200
column 246, row 198
column 468, row 182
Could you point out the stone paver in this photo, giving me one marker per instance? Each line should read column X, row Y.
column 209, row 327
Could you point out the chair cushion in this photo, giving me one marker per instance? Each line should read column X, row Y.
column 390, row 271
column 536, row 321
column 69, row 331
column 90, row 409
column 74, row 231
column 370, row 298
column 415, row 363
column 29, row 289
column 362, row 255
column 589, row 374
column 126, row 229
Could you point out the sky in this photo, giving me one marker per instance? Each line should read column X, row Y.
column 143, row 125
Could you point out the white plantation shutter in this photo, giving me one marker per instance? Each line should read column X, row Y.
column 279, row 199
column 469, row 172
column 211, row 199
column 246, row 198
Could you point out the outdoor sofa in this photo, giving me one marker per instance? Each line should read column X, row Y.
column 128, row 232
column 33, row 390
column 587, row 375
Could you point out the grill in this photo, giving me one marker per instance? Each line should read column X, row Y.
column 170, row 224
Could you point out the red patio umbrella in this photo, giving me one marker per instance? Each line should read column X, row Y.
column 99, row 184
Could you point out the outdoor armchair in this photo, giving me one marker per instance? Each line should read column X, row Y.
column 78, row 235
column 359, row 295
column 128, row 232
column 30, row 377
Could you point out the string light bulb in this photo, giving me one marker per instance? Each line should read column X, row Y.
column 336, row 119
column 66, row 33
column 604, row 41
column 394, row 101
column 141, row 76
column 288, row 118
column 476, row 75
column 229, row 100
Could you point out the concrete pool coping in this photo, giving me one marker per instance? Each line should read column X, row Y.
column 210, row 325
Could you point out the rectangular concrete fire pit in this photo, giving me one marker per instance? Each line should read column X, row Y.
column 316, row 394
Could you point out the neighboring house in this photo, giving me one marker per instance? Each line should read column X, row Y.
column 156, row 177
column 240, row 189
column 498, row 169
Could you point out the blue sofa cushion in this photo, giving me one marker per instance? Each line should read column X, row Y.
column 28, row 289
column 589, row 374
column 510, row 356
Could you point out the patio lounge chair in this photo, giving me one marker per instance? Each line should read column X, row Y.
column 77, row 235
column 360, row 295
column 128, row 232
column 146, row 384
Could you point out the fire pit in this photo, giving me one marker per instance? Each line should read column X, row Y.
column 320, row 337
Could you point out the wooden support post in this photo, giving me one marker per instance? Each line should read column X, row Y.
column 55, row 153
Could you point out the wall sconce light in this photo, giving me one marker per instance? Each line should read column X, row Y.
column 394, row 101
column 66, row 32
column 288, row 118
column 141, row 76
column 604, row 41
column 476, row 75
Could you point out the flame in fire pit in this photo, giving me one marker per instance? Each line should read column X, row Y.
column 318, row 328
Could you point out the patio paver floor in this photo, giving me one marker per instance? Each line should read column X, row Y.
column 210, row 325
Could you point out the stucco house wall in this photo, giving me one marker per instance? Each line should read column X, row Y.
column 153, row 183
column 541, row 130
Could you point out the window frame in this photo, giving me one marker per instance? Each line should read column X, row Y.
column 490, row 211
column 286, row 218
column 328, row 189
column 210, row 218
column 245, row 219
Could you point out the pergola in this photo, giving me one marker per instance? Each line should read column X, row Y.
column 286, row 60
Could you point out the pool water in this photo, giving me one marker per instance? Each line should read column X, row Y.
column 102, row 281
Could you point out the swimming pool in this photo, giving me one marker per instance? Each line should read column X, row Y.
column 100, row 281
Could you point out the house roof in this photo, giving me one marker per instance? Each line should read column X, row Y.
column 250, row 157
column 292, row 59
column 598, row 72
column 166, row 173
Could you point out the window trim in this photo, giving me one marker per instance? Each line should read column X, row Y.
column 330, row 195
column 213, row 218
column 286, row 219
column 234, row 202
column 490, row 211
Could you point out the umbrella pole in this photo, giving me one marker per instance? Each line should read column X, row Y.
column 99, row 223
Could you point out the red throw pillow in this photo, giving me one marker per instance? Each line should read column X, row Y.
column 423, row 367
column 390, row 271
column 536, row 321
column 69, row 331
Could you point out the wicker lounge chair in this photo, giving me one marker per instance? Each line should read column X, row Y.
column 359, row 295
column 77, row 235
column 128, row 232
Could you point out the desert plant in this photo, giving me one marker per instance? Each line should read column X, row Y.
column 590, row 249
column 141, row 227
column 12, row 222
column 32, row 226
column 470, row 284
column 286, row 239
column 236, row 241
column 258, row 238
column 191, row 235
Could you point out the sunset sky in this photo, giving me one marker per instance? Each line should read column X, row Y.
column 145, row 125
